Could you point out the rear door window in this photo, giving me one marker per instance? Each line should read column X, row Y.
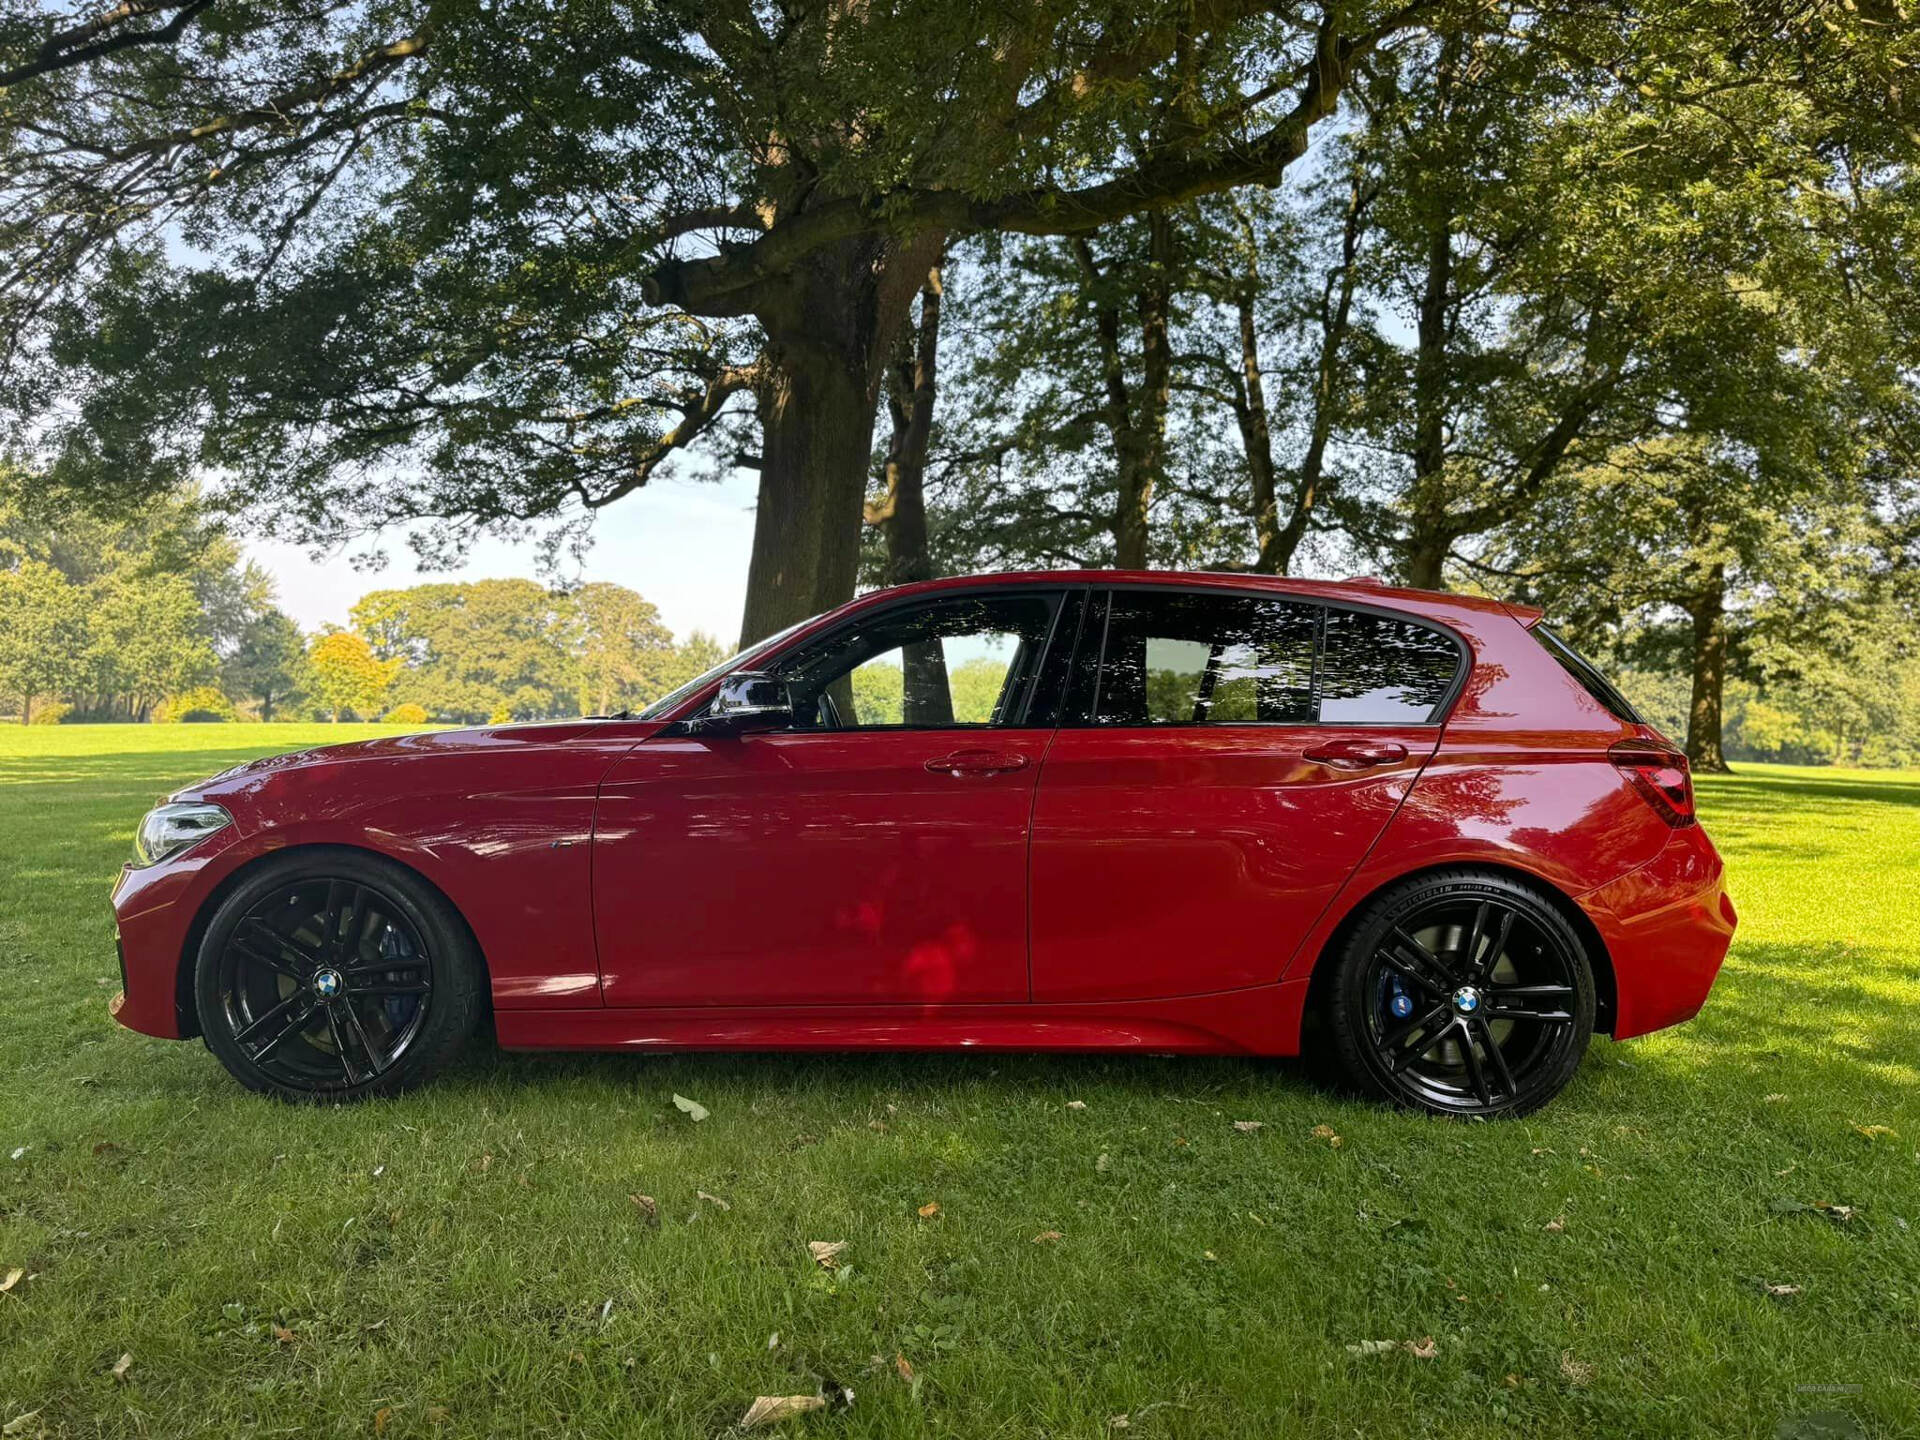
column 1180, row 658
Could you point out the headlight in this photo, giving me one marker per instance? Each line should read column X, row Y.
column 169, row 829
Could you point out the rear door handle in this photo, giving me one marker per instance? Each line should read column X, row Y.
column 977, row 762
column 1355, row 753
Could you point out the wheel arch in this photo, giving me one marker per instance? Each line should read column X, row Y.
column 1606, row 991
column 188, row 1013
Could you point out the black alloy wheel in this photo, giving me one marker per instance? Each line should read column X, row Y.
column 333, row 975
column 1463, row 993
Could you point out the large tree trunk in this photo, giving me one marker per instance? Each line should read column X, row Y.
column 1426, row 558
column 1141, row 479
column 1708, row 612
column 901, row 512
column 830, row 324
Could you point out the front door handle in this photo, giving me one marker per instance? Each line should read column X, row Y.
column 977, row 762
column 1355, row 753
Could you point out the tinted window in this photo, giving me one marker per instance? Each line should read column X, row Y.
column 1590, row 678
column 1382, row 671
column 960, row 661
column 1185, row 659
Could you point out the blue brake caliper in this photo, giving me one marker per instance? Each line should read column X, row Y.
column 1394, row 999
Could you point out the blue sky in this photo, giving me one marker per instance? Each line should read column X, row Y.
column 681, row 543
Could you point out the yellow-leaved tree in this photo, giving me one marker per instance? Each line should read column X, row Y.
column 347, row 675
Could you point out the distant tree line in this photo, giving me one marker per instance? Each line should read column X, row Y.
column 156, row 617
column 1606, row 306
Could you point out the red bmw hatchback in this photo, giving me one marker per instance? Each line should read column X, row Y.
column 1087, row 810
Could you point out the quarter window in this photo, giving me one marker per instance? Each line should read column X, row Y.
column 1378, row 670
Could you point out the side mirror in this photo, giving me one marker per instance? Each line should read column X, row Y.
column 749, row 699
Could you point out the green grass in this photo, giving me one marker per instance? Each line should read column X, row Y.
column 468, row 1262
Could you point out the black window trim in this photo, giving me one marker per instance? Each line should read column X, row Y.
column 1437, row 717
column 866, row 615
column 1589, row 676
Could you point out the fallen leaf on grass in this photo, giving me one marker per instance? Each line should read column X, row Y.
column 1556, row 1225
column 482, row 1165
column 438, row 1414
column 380, row 1419
column 1076, row 1104
column 1782, row 1292
column 1103, row 1163
column 13, row 1279
column 1874, row 1131
column 692, row 1109
column 1776, row 1098
column 771, row 1409
column 903, row 1367
column 107, row 1147
column 1576, row 1372
column 1373, row 1347
column 1047, row 1237
column 825, row 1252
column 1841, row 1213
column 930, row 1209
column 711, row 1199
column 649, row 1211
column 19, row 1423
column 122, row 1366
column 1425, row 1348
column 1247, row 1127
column 1325, row 1132
column 283, row 1335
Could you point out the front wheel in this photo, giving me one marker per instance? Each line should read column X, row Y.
column 333, row 975
column 1464, row 992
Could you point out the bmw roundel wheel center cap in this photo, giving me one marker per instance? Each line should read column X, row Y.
column 328, row 984
column 1466, row 1000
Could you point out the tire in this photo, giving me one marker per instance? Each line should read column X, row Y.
column 330, row 975
column 1461, row 992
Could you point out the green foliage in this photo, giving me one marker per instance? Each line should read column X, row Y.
column 347, row 676
column 113, row 615
column 268, row 663
column 407, row 714
column 50, row 712
column 43, row 631
column 500, row 650
column 472, row 650
column 205, row 704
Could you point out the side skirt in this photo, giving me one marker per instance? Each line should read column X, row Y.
column 1260, row 1021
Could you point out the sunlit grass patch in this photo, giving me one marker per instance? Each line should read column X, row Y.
column 470, row 1260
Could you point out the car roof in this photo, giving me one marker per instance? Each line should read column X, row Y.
column 1359, row 590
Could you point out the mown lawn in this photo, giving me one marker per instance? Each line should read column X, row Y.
column 468, row 1261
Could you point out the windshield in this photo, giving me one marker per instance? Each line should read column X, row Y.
column 735, row 662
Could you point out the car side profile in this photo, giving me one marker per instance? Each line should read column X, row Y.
column 1073, row 810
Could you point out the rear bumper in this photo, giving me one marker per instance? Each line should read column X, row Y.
column 1667, row 926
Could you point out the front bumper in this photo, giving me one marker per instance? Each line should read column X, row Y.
column 1667, row 926
column 155, row 908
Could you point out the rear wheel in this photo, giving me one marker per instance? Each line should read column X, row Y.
column 334, row 975
column 1464, row 992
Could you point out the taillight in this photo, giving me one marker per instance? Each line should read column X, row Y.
column 1661, row 777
